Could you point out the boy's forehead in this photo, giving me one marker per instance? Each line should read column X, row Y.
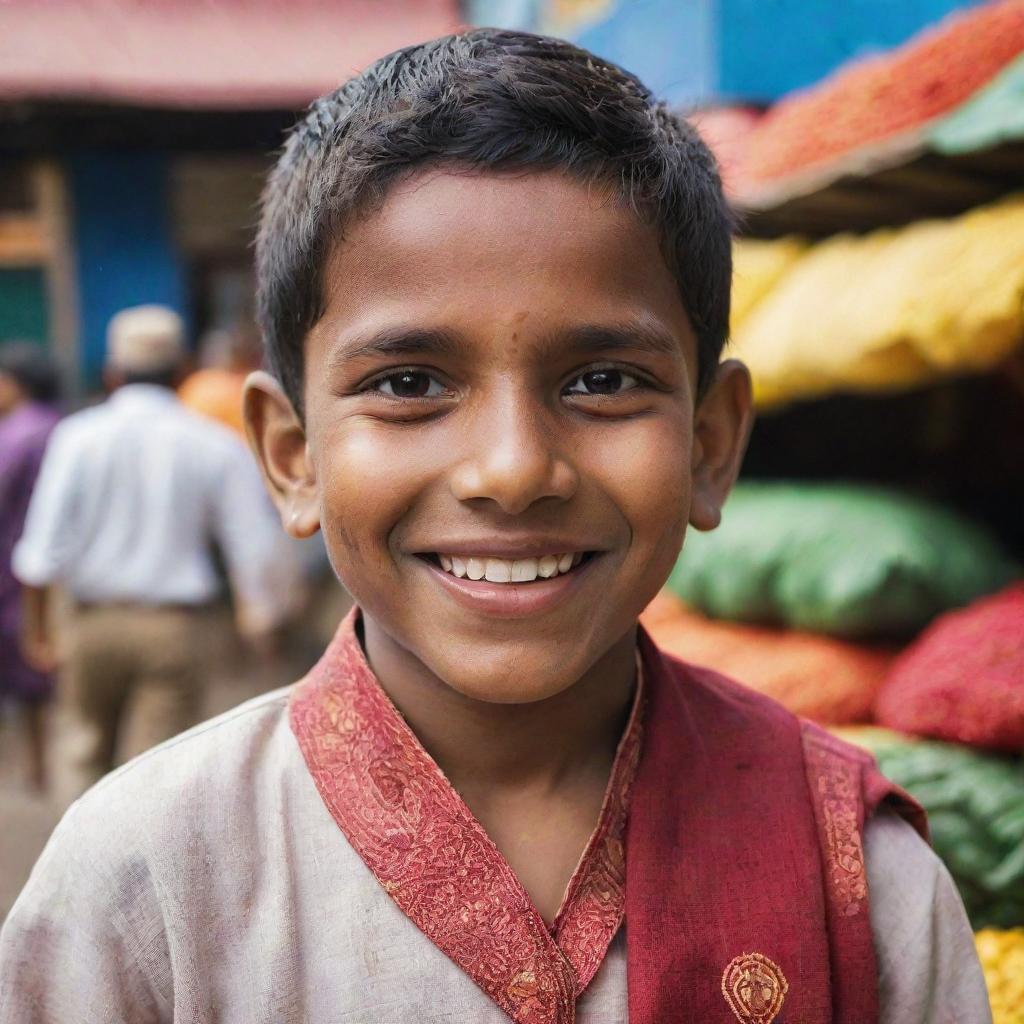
column 455, row 197
column 452, row 248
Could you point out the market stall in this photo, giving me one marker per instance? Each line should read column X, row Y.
column 869, row 570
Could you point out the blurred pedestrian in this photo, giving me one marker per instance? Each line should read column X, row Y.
column 28, row 393
column 215, row 390
column 227, row 356
column 131, row 498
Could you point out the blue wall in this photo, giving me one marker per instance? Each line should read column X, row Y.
column 124, row 245
column 769, row 47
column 693, row 51
column 669, row 44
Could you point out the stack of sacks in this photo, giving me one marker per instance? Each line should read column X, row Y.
column 884, row 311
column 881, row 99
column 757, row 267
column 826, row 680
column 849, row 561
column 963, row 679
column 975, row 805
column 1002, row 960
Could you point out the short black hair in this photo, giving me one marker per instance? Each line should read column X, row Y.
column 32, row 368
column 487, row 99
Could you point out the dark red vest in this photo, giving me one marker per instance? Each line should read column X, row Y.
column 746, row 894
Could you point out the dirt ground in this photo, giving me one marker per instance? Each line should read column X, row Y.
column 27, row 819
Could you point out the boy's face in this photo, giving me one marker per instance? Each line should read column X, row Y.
column 502, row 382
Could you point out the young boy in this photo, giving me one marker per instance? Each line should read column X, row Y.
column 494, row 281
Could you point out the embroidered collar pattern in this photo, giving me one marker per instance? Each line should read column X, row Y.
column 422, row 843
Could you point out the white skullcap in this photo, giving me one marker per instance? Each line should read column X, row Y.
column 145, row 339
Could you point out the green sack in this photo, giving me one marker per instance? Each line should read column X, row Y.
column 846, row 560
column 975, row 805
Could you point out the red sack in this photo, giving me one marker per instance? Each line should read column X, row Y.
column 963, row 679
column 828, row 681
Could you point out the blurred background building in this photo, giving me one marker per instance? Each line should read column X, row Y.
column 133, row 140
column 133, row 137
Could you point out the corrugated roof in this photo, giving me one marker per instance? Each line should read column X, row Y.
column 202, row 53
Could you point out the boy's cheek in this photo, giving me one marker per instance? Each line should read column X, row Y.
column 646, row 472
column 375, row 480
column 365, row 486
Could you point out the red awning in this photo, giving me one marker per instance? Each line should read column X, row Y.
column 888, row 98
column 728, row 131
column 202, row 53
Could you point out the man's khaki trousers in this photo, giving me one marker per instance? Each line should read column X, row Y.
column 134, row 678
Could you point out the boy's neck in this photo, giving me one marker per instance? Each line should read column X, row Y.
column 483, row 746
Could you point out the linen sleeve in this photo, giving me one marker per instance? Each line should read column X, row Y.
column 48, row 540
column 928, row 968
column 262, row 563
column 84, row 942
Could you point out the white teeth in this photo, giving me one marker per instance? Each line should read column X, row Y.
column 548, row 566
column 506, row 570
column 498, row 570
column 524, row 570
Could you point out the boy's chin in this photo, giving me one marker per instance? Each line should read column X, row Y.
column 522, row 677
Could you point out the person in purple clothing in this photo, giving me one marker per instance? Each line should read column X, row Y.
column 28, row 392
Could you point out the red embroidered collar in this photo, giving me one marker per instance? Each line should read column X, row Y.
column 422, row 843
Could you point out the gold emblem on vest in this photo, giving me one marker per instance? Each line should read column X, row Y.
column 754, row 987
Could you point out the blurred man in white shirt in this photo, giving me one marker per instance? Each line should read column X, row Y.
column 132, row 498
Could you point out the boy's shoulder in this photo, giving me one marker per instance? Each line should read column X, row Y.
column 718, row 699
column 176, row 791
column 210, row 749
column 180, row 829
column 728, row 695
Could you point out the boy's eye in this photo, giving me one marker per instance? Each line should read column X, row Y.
column 409, row 384
column 602, row 382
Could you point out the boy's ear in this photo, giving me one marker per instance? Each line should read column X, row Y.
column 277, row 436
column 721, row 429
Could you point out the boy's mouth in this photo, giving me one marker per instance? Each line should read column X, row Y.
column 508, row 570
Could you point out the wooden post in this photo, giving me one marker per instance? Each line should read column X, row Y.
column 54, row 206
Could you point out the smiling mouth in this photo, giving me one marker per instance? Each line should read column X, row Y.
column 509, row 570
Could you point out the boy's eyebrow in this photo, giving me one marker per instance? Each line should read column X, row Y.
column 415, row 341
column 631, row 334
column 400, row 341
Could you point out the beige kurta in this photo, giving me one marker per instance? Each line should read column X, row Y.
column 236, row 898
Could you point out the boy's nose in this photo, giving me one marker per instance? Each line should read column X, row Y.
column 513, row 460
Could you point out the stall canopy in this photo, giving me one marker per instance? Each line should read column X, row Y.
column 886, row 101
column 929, row 129
column 994, row 116
column 188, row 53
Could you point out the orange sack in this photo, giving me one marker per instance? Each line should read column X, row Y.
column 829, row 681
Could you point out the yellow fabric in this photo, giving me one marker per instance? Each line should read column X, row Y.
column 757, row 266
column 1002, row 960
column 891, row 309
